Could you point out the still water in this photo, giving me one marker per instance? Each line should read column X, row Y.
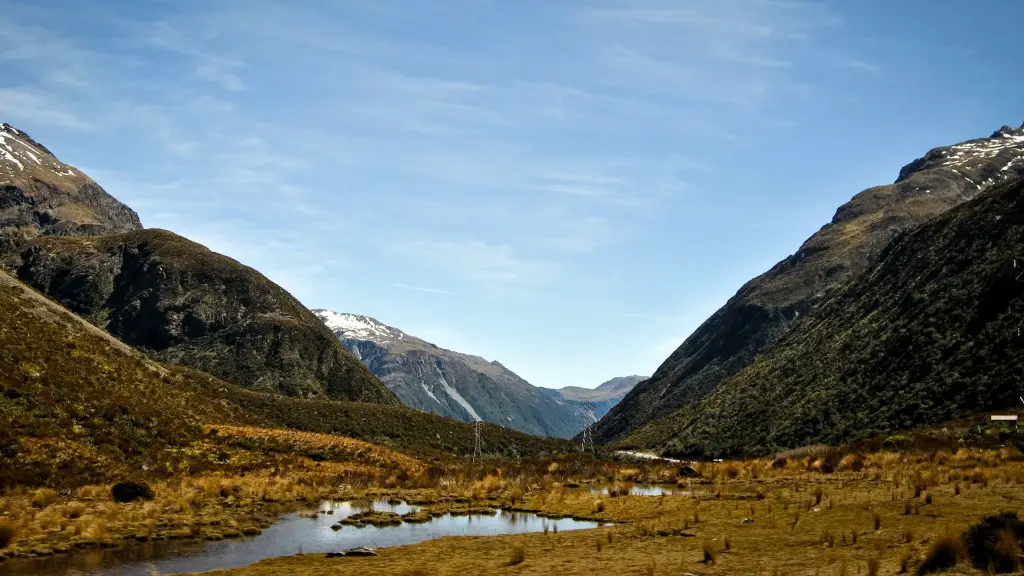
column 292, row 534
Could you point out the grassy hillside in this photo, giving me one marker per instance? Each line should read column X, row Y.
column 83, row 407
column 928, row 335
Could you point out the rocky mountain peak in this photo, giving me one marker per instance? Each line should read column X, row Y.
column 359, row 327
column 982, row 162
column 20, row 153
column 42, row 196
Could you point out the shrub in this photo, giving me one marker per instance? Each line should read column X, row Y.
column 897, row 442
column 6, row 533
column 43, row 497
column 995, row 542
column 946, row 552
column 851, row 462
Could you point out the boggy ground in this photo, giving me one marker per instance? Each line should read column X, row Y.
column 876, row 514
column 239, row 479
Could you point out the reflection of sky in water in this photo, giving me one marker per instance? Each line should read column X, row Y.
column 642, row 490
column 291, row 535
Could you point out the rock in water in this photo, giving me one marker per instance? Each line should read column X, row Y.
column 360, row 551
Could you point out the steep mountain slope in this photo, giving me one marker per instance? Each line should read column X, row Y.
column 457, row 385
column 39, row 194
column 765, row 308
column 187, row 305
column 61, row 233
column 78, row 406
column 929, row 334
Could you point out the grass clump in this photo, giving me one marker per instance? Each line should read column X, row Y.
column 994, row 543
column 708, row 553
column 946, row 552
column 6, row 533
column 518, row 555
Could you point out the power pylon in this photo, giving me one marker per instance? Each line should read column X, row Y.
column 478, row 442
column 587, row 441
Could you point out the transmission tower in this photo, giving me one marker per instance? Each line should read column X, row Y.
column 587, row 442
column 478, row 442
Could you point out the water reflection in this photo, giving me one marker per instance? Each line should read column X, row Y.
column 641, row 489
column 294, row 533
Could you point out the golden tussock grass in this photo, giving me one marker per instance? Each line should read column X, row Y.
column 862, row 529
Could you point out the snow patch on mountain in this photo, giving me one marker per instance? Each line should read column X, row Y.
column 429, row 393
column 358, row 327
column 456, row 396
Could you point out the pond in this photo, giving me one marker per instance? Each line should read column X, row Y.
column 292, row 534
column 643, row 489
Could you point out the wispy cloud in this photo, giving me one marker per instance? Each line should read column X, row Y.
column 862, row 66
column 424, row 289
column 33, row 108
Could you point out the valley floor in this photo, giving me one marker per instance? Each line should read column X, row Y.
column 883, row 519
column 811, row 513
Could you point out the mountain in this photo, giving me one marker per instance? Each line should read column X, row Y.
column 598, row 401
column 162, row 293
column 930, row 334
column 40, row 195
column 81, row 407
column 767, row 307
column 462, row 386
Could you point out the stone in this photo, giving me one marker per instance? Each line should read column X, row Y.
column 687, row 471
column 360, row 551
column 131, row 491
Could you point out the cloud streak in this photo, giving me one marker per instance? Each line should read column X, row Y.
column 424, row 289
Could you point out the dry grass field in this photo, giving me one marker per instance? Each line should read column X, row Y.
column 881, row 513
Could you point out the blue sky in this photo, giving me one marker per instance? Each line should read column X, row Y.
column 569, row 187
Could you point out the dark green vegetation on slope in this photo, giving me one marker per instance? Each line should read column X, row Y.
column 188, row 305
column 928, row 335
column 765, row 308
column 81, row 407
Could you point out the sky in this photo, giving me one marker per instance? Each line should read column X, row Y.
column 569, row 187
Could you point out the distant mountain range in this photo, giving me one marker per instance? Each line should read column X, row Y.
column 467, row 387
column 828, row 345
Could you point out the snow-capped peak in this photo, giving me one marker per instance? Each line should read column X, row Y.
column 18, row 153
column 358, row 327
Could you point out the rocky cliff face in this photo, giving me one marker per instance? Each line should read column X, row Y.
column 928, row 334
column 40, row 195
column 765, row 308
column 462, row 386
column 187, row 305
column 175, row 299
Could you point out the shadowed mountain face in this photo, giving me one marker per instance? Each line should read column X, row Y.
column 466, row 387
column 63, row 235
column 765, row 308
column 40, row 195
column 928, row 334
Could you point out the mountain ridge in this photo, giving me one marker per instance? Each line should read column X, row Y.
column 927, row 335
column 182, row 303
column 765, row 308
column 462, row 386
